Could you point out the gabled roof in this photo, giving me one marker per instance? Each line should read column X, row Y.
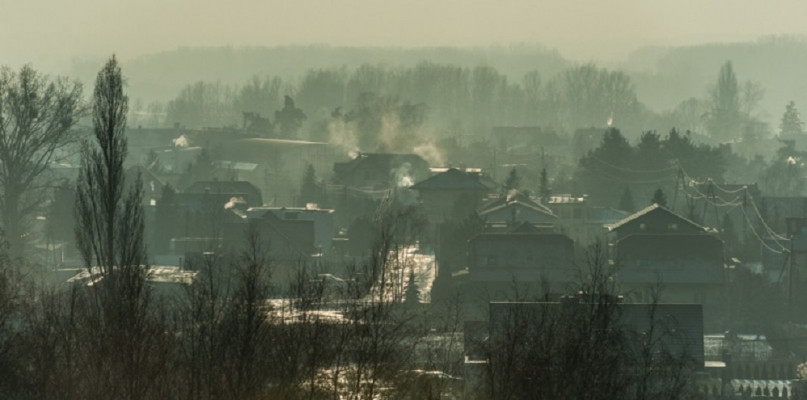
column 653, row 209
column 514, row 198
column 453, row 179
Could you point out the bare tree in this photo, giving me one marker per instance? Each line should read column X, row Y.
column 109, row 229
column 585, row 348
column 109, row 233
column 36, row 120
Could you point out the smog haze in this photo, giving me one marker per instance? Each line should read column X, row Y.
column 48, row 32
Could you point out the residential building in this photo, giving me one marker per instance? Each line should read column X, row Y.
column 381, row 170
column 514, row 208
column 656, row 247
column 524, row 262
column 453, row 193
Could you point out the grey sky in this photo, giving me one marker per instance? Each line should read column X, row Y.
column 46, row 31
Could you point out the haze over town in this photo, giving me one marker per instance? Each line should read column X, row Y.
column 365, row 199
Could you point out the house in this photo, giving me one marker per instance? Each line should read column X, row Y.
column 164, row 281
column 283, row 238
column 527, row 261
column 453, row 193
column 209, row 195
column 516, row 207
column 777, row 209
column 276, row 166
column 381, row 170
column 322, row 219
column 656, row 220
column 656, row 246
column 520, row 140
column 581, row 221
column 291, row 233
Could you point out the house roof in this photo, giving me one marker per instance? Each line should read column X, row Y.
column 566, row 199
column 655, row 208
column 383, row 161
column 605, row 215
column 288, row 231
column 453, row 179
column 222, row 187
column 259, row 212
column 514, row 198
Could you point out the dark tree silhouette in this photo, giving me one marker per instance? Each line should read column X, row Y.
column 791, row 125
column 659, row 198
column 110, row 238
column 626, row 203
column 109, row 229
column 724, row 116
column 513, row 181
column 543, row 187
column 289, row 119
column 36, row 120
column 309, row 191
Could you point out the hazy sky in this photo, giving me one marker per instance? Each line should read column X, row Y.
column 47, row 31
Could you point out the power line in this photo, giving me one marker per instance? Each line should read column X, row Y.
column 633, row 170
column 617, row 178
column 761, row 240
column 737, row 200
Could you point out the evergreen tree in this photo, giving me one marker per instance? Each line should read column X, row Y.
column 290, row 119
column 626, row 203
column 513, row 181
column 543, row 190
column 791, row 125
column 606, row 168
column 724, row 116
column 309, row 188
column 659, row 198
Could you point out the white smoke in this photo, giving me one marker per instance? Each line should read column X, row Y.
column 403, row 175
column 343, row 135
column 234, row 201
column 430, row 153
column 181, row 141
